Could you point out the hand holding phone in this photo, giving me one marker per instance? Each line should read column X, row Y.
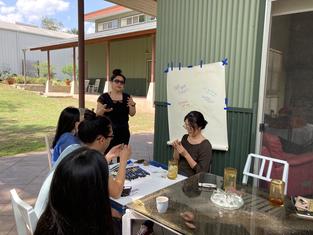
column 126, row 191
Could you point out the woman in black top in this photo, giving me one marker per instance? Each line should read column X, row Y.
column 117, row 105
column 194, row 151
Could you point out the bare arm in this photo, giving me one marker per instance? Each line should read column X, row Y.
column 132, row 106
column 116, row 185
column 179, row 148
column 175, row 152
column 175, row 155
column 205, row 155
column 113, row 153
column 192, row 163
column 101, row 109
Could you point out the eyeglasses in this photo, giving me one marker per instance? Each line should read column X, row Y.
column 119, row 81
column 109, row 136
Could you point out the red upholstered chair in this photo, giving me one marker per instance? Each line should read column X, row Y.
column 300, row 177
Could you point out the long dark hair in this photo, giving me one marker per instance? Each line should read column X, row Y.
column 196, row 119
column 68, row 117
column 117, row 72
column 79, row 198
column 93, row 126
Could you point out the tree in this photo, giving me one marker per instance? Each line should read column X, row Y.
column 43, row 69
column 50, row 23
column 72, row 31
column 68, row 70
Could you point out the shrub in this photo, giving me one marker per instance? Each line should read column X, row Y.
column 20, row 79
column 34, row 80
column 43, row 69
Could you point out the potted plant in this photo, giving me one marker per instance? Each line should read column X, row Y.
column 10, row 80
column 8, row 77
column 67, row 82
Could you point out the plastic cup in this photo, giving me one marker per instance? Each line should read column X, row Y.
column 162, row 204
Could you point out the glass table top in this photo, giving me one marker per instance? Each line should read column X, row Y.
column 256, row 216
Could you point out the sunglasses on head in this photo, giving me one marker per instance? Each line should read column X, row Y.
column 119, row 81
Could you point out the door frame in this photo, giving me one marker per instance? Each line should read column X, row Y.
column 286, row 8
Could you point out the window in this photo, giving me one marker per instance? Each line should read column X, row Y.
column 131, row 20
column 142, row 18
column 107, row 25
column 151, row 18
column 100, row 27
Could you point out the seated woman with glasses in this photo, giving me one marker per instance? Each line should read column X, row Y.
column 194, row 151
column 95, row 132
column 117, row 106
column 66, row 131
column 79, row 200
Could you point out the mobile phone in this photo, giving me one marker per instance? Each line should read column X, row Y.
column 126, row 191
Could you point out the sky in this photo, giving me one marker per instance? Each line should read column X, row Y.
column 64, row 11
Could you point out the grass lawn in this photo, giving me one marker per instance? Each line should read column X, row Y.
column 25, row 118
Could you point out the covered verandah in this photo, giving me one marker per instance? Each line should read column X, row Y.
column 131, row 48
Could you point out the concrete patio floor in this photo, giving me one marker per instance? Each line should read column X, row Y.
column 26, row 173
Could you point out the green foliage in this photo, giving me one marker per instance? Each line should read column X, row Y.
column 56, row 82
column 20, row 79
column 43, row 69
column 68, row 70
column 51, row 24
column 6, row 74
column 73, row 31
column 30, row 80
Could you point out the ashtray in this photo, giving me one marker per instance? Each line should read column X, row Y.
column 225, row 200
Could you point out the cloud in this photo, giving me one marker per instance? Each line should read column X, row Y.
column 89, row 27
column 31, row 10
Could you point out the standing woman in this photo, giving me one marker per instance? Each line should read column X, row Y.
column 194, row 151
column 117, row 106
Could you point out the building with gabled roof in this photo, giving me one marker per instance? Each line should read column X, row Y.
column 15, row 37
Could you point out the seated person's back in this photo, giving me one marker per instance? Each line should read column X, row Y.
column 78, row 198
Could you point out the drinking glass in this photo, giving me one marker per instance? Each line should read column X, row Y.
column 230, row 178
column 276, row 196
column 172, row 169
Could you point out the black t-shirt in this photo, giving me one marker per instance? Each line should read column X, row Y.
column 119, row 114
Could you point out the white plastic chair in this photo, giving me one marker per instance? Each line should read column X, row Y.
column 87, row 85
column 259, row 175
column 95, row 87
column 49, row 155
column 25, row 216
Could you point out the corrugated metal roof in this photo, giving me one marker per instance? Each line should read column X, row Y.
column 106, row 12
column 34, row 30
column 100, row 35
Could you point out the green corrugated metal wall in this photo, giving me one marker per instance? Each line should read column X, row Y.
column 192, row 30
column 130, row 55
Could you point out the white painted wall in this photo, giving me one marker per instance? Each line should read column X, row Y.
column 11, row 55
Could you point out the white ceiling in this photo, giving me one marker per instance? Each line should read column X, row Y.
column 146, row 6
